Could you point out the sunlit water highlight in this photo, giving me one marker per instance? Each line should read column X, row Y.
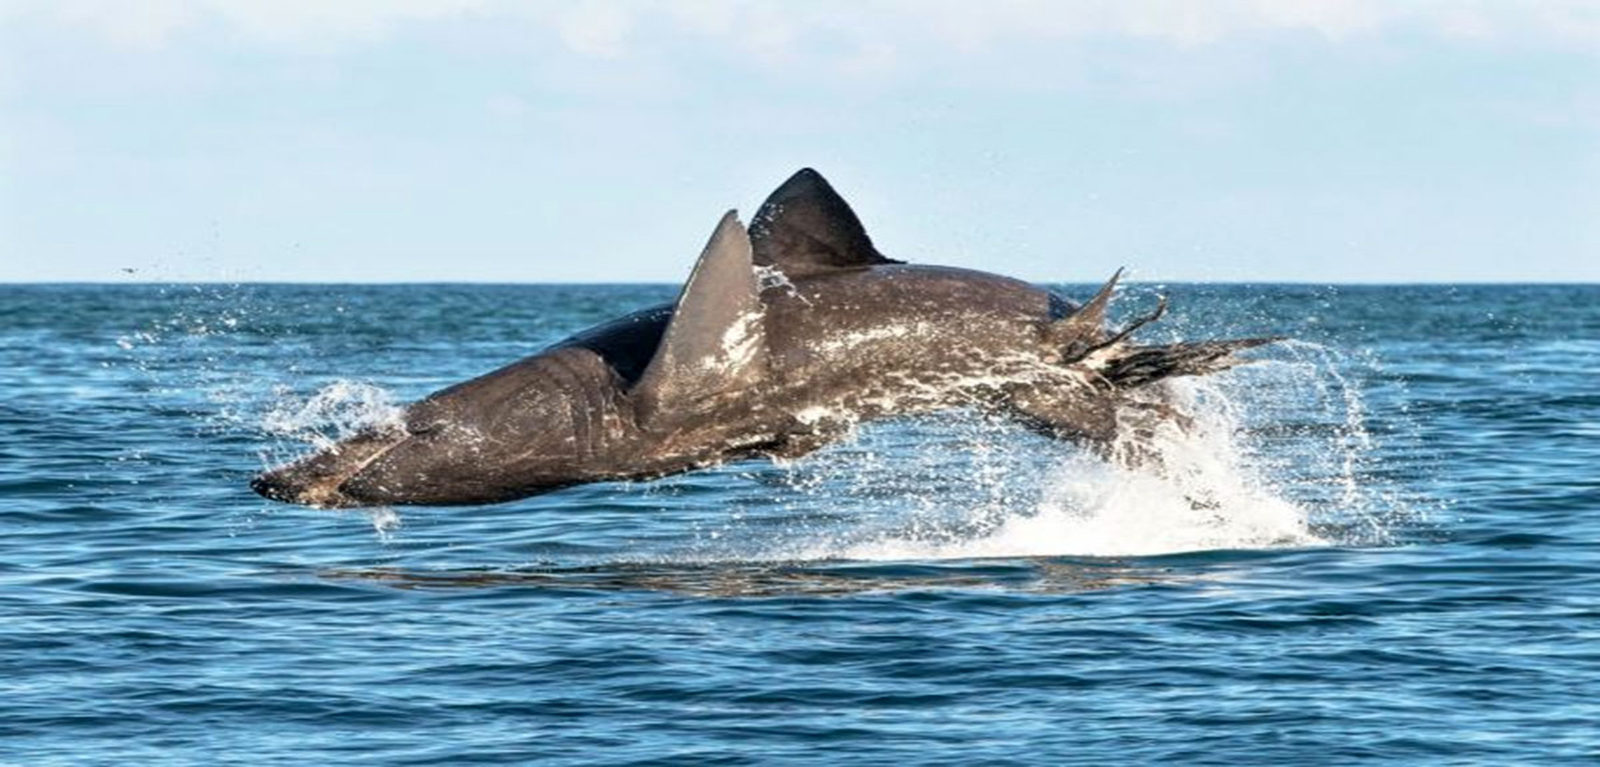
column 1377, row 543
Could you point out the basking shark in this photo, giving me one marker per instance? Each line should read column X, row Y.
column 785, row 335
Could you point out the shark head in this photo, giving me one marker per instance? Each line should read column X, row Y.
column 514, row 432
column 608, row 403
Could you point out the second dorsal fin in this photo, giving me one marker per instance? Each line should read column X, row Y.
column 806, row 227
column 715, row 341
column 1080, row 331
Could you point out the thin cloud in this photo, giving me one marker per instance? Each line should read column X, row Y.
column 765, row 29
column 597, row 28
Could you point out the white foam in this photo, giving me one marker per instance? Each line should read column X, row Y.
column 1092, row 508
column 1239, row 478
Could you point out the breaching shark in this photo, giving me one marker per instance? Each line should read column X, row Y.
column 785, row 336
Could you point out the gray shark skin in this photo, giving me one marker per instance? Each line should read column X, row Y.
column 783, row 337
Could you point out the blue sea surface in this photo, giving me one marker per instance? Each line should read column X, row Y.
column 1396, row 556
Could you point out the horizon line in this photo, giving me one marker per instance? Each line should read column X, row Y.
column 605, row 283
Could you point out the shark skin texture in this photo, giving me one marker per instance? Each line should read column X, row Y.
column 786, row 334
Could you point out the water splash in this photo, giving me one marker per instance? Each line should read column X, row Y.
column 1278, row 455
column 202, row 353
column 1282, row 456
column 333, row 413
column 385, row 522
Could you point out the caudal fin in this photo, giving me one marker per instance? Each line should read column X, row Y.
column 1083, row 337
column 1104, row 405
column 1134, row 366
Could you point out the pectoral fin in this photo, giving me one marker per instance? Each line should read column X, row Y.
column 715, row 341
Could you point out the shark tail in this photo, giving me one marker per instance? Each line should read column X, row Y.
column 1121, row 365
column 1114, row 368
column 1135, row 366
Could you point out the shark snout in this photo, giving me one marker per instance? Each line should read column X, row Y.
column 317, row 479
column 273, row 485
column 291, row 484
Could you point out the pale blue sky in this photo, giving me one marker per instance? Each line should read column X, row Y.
column 480, row 140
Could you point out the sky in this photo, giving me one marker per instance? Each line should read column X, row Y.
column 1324, row 141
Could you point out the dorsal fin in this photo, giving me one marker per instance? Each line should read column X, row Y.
column 1080, row 331
column 715, row 341
column 806, row 227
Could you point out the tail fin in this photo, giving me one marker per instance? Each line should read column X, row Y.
column 1140, row 365
column 1115, row 367
column 1127, row 366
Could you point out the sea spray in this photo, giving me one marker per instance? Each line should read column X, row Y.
column 1276, row 454
column 1283, row 455
column 335, row 412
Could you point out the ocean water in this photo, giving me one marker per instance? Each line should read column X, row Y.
column 1397, row 556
